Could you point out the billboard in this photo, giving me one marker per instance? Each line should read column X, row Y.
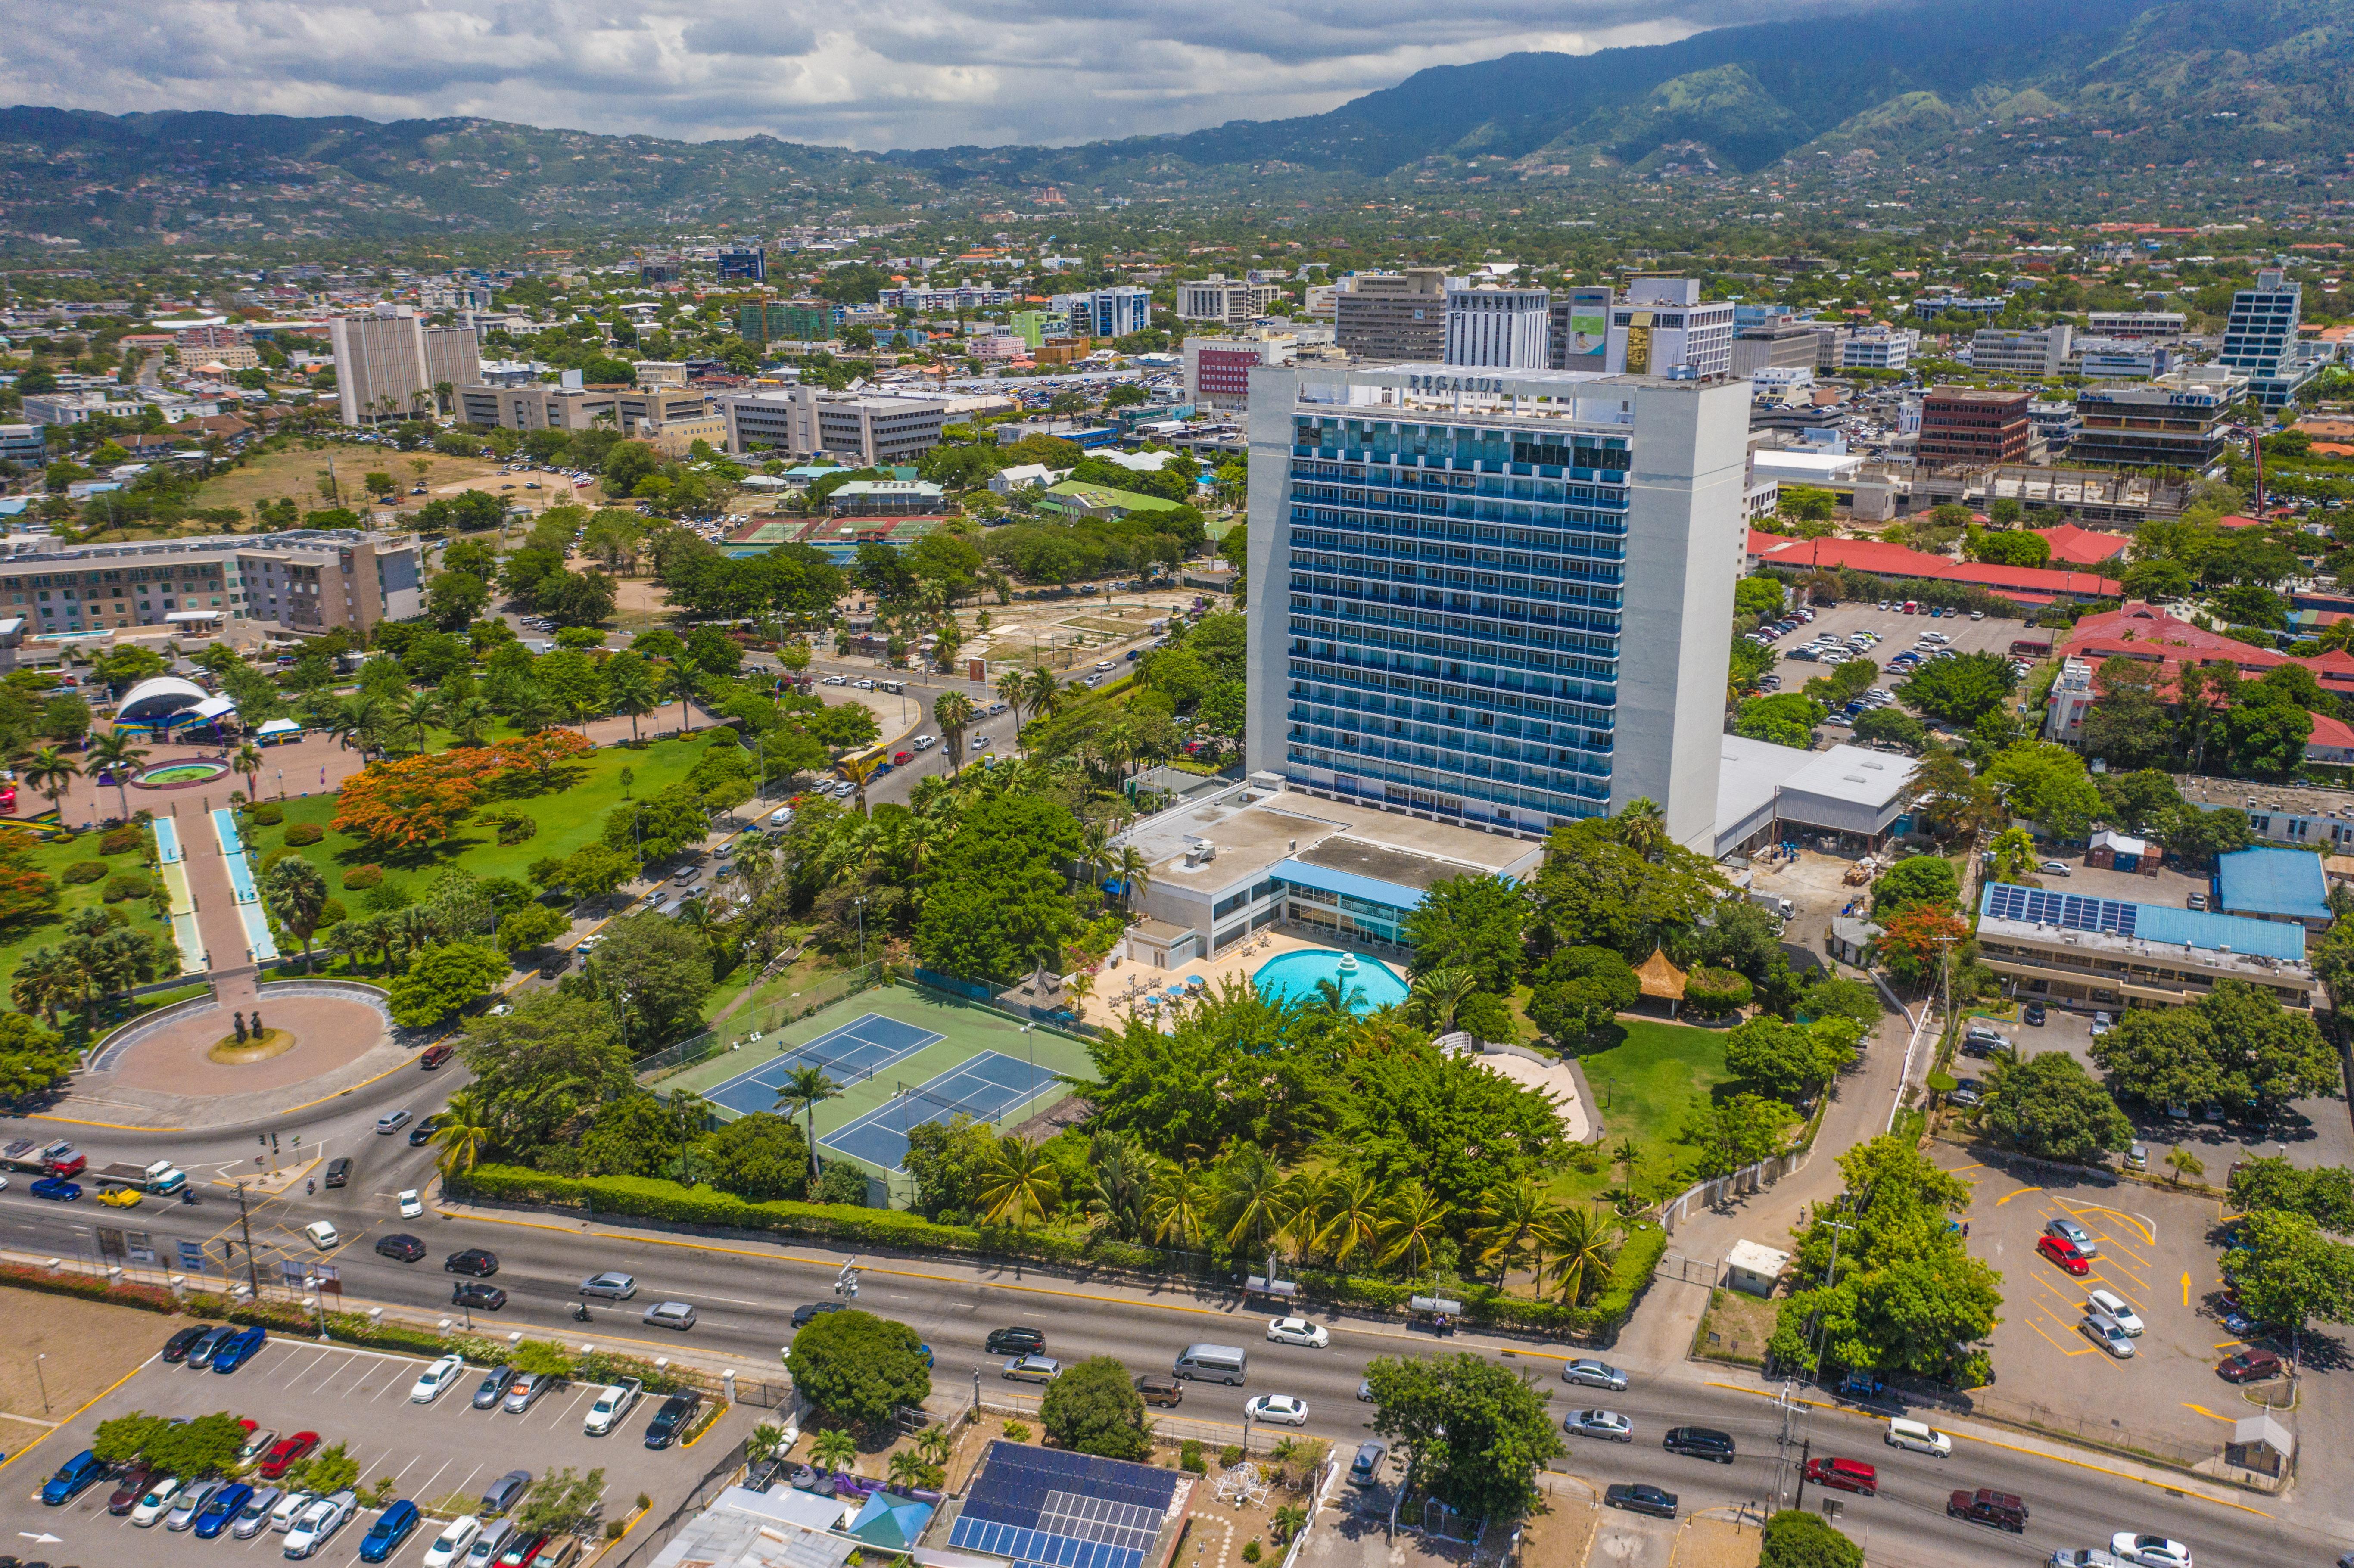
column 1588, row 329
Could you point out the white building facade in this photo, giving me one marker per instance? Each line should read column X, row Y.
column 1499, row 328
column 1662, row 327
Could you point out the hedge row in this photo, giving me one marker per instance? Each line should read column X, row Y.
column 645, row 1198
column 89, row 1288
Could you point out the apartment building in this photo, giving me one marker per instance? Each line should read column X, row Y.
column 1218, row 297
column 2260, row 339
column 388, row 363
column 763, row 321
column 193, row 346
column 1661, row 328
column 1217, row 369
column 863, row 429
column 2033, row 352
column 2085, row 952
column 1446, row 563
column 1878, row 349
column 1499, row 328
column 1929, row 307
column 2121, row 358
column 2152, row 326
column 947, row 302
column 1393, row 315
column 303, row 580
column 1108, row 312
column 1973, row 425
column 560, row 407
column 2165, row 424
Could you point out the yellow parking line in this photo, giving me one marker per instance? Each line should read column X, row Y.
column 2149, row 1230
column 2007, row 1197
column 69, row 1420
column 2231, row 1344
column 2226, row 1420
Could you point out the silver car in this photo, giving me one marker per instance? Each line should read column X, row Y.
column 2074, row 1234
column 1588, row 1372
column 1606, row 1425
column 670, row 1315
column 611, row 1285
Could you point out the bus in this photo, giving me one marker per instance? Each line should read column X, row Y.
column 878, row 753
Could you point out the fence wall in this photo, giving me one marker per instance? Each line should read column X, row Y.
column 676, row 1059
column 645, row 1543
column 1723, row 1189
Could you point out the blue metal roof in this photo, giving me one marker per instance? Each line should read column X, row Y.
column 1348, row 884
column 2275, row 882
column 2148, row 922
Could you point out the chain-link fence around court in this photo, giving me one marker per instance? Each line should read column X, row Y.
column 824, row 993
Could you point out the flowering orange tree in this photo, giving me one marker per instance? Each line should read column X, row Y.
column 1910, row 943
column 412, row 802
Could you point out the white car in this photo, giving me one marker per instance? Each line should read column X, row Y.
column 2103, row 1331
column 2114, row 1307
column 291, row 1508
column 2149, row 1551
column 318, row 1523
column 451, row 1543
column 612, row 1406
column 1281, row 1408
column 1606, row 1425
column 323, row 1235
column 411, row 1205
column 435, row 1380
column 1298, row 1331
column 157, row 1503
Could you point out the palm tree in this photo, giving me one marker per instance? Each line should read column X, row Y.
column 835, row 1448
column 1644, row 827
column 1250, row 1198
column 953, row 711
column 248, row 761
column 49, row 771
column 1436, row 994
column 907, row 1471
column 858, row 771
column 1329, row 999
column 1182, row 1202
column 804, row 1088
column 1132, row 869
column 469, row 718
column 1013, row 690
column 357, row 720
column 533, row 710
column 1045, row 694
column 1511, row 1223
column 113, row 755
column 42, row 983
column 1120, row 1174
column 415, row 715
column 1287, row 1521
column 463, row 1134
column 1412, row 1223
column 635, row 691
column 1352, row 1216
column 2179, row 1162
column 679, row 681
column 1579, row 1242
column 1018, row 1184
column 295, row 892
column 932, row 1443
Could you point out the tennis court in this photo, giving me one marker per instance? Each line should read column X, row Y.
column 850, row 1053
column 983, row 1087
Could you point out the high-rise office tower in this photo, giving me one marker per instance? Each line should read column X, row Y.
column 388, row 363
column 2260, row 339
column 1502, row 599
column 1579, row 335
column 1499, row 328
column 1393, row 315
column 1661, row 327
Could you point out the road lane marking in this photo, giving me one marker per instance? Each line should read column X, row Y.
column 2186, row 1288
column 2022, row 1192
column 2148, row 1226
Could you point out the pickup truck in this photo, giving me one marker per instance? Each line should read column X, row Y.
column 163, row 1176
column 57, row 1159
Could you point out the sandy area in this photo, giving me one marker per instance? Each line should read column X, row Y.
column 1706, row 1543
column 90, row 1345
column 1554, row 1079
column 329, row 1032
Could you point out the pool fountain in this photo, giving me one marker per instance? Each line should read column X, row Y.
column 1368, row 982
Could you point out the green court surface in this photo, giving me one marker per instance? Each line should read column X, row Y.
column 966, row 1029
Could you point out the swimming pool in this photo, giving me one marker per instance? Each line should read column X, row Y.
column 1293, row 977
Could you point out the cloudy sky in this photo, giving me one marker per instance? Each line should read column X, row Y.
column 867, row 73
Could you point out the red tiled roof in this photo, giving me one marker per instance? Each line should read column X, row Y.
column 2236, row 521
column 2143, row 632
column 1898, row 561
column 2083, row 546
column 2330, row 732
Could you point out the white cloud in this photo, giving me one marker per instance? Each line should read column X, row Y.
column 908, row 73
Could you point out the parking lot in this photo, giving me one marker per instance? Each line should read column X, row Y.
column 441, row 1455
column 2156, row 1249
column 1897, row 632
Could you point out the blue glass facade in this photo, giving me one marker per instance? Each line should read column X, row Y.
column 1454, row 612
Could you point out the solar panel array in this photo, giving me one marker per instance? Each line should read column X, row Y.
column 1057, row 1509
column 2069, row 911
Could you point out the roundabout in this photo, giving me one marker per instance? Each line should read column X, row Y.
column 211, row 1062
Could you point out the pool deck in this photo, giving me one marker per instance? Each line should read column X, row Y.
column 1106, row 1010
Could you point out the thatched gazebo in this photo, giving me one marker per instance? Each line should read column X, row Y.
column 1660, row 978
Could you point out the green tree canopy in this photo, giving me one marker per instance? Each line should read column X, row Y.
column 1470, row 1431
column 757, row 1157
column 2049, row 1106
column 1796, row 1538
column 1959, row 689
column 859, row 1368
column 2236, row 1045
column 1579, row 989
column 442, row 979
column 1473, row 923
column 1094, row 1408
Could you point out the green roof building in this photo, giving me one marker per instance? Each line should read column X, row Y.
column 1074, row 498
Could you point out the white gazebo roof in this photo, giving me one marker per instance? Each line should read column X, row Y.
column 280, row 727
column 158, row 697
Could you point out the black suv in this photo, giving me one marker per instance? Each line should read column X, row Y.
column 339, row 1170
column 407, row 1249
column 1700, row 1443
column 1638, row 1499
column 473, row 1261
column 1013, row 1343
column 472, row 1293
column 674, row 1417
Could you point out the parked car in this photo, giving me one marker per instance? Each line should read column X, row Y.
column 612, row 1405
column 2060, row 1253
column 254, row 1517
column 320, row 1522
column 1636, row 1498
column 73, row 1478
column 176, row 1348
column 525, row 1390
column 435, row 1380
column 128, row 1488
column 190, row 1504
column 2249, row 1366
column 392, row 1527
column 1365, row 1470
column 2053, row 868
column 2102, row 1331
column 285, row 1453
column 676, row 1414
column 2074, row 1234
column 150, row 1509
column 240, row 1348
column 450, row 1544
column 220, row 1510
column 504, row 1493
column 2116, row 1309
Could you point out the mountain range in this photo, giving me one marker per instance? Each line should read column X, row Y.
column 2042, row 89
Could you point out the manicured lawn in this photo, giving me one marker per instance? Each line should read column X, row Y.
column 569, row 818
column 50, row 930
column 1645, row 1087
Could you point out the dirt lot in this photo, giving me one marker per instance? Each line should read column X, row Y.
column 82, row 1349
column 295, row 472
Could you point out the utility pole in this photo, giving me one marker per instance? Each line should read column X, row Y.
column 245, row 1222
column 1805, row 1452
column 1787, row 1403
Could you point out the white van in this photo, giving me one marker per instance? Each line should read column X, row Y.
column 1913, row 1435
column 1215, row 1363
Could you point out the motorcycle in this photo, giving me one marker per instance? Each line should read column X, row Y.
column 580, row 1311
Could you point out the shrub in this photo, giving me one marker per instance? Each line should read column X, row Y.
column 515, row 827
column 1230, row 1456
column 360, row 878
column 1189, row 1457
column 332, row 913
column 303, row 833
column 1250, row 1550
column 120, row 840
column 1712, row 993
column 268, row 815
column 1017, row 1431
column 82, row 871
column 125, row 884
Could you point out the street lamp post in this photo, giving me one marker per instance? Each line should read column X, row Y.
column 42, row 1379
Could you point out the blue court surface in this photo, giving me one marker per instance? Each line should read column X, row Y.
column 983, row 1087
column 856, row 1051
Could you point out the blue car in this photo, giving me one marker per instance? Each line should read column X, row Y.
column 221, row 1509
column 235, row 1352
column 391, row 1529
column 57, row 1188
column 73, row 1478
column 927, row 1352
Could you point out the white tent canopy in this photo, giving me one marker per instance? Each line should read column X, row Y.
column 280, row 727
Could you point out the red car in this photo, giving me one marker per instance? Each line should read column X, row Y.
column 901, row 759
column 2063, row 1254
column 1846, row 1475
column 2249, row 1366
column 435, row 1055
column 283, row 1453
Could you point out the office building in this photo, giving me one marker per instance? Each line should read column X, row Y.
column 1973, row 425
column 1498, row 328
column 2036, row 351
column 1578, row 337
column 1930, row 307
column 389, row 365
column 77, row 407
column 303, row 580
column 1218, row 297
column 27, row 446
column 2165, row 424
column 2260, row 339
column 2121, row 358
column 2153, row 326
column 763, row 321
column 1108, row 312
column 1877, row 349
column 540, row 406
column 1777, row 345
column 661, row 269
column 1217, row 369
column 743, row 266
column 2105, row 953
column 1661, row 329
column 862, row 429
column 1445, row 563
column 1393, row 315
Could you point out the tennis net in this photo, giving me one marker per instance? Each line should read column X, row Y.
column 844, row 1070
column 977, row 1113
